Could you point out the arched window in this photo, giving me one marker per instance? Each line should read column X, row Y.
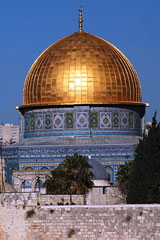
column 110, row 173
column 26, row 186
column 39, row 184
column 13, row 169
column 28, row 169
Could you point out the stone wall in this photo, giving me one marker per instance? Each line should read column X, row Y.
column 98, row 195
column 37, row 199
column 120, row 222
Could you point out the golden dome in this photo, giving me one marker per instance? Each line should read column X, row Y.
column 81, row 69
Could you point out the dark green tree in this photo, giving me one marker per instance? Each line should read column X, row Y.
column 123, row 178
column 73, row 176
column 144, row 179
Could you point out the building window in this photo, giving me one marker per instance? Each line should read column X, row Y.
column 104, row 190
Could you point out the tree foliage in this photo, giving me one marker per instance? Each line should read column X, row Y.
column 73, row 176
column 123, row 178
column 144, row 179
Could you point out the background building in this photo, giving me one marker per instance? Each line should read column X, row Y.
column 81, row 95
column 9, row 133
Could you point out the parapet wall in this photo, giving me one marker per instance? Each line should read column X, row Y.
column 112, row 222
column 37, row 199
column 96, row 196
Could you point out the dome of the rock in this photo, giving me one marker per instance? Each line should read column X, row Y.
column 81, row 95
column 81, row 69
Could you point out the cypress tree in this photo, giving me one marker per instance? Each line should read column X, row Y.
column 123, row 178
column 144, row 179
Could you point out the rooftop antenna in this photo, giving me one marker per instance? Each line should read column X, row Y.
column 80, row 20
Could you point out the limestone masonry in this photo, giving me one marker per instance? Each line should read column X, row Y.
column 23, row 219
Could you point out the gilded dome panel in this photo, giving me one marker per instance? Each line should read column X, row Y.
column 81, row 69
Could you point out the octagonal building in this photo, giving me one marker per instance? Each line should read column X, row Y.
column 81, row 95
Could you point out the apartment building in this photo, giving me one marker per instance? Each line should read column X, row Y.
column 9, row 133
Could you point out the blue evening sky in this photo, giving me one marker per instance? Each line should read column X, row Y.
column 27, row 27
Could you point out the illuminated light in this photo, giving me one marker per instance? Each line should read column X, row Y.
column 71, row 86
column 78, row 81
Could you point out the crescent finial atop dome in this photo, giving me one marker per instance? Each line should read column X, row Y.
column 80, row 9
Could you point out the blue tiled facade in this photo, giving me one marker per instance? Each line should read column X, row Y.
column 108, row 134
column 81, row 121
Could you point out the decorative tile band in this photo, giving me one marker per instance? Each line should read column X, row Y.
column 81, row 120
